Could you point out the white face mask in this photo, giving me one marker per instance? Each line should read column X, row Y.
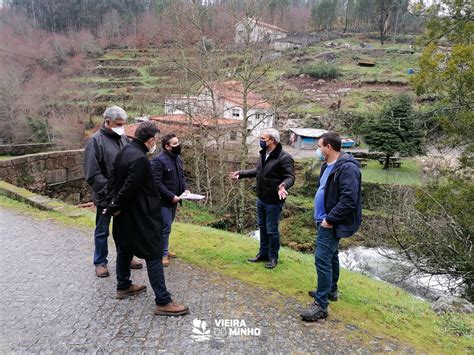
column 119, row 130
column 320, row 155
column 152, row 149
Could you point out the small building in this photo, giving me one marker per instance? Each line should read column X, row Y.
column 257, row 31
column 305, row 138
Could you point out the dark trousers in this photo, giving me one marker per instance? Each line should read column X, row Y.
column 268, row 218
column 101, row 234
column 327, row 264
column 155, row 275
column 168, row 214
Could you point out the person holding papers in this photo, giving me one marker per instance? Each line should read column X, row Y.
column 168, row 173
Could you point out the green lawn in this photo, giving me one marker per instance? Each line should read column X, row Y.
column 408, row 174
column 375, row 307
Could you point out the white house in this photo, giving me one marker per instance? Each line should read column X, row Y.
column 257, row 31
column 229, row 100
column 225, row 100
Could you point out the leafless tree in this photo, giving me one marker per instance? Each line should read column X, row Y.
column 429, row 238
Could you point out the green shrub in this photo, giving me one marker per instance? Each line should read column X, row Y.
column 321, row 71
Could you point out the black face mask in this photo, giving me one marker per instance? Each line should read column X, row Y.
column 176, row 150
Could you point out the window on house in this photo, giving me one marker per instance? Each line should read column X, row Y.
column 235, row 112
column 233, row 136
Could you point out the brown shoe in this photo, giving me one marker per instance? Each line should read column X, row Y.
column 171, row 255
column 134, row 264
column 166, row 261
column 171, row 309
column 131, row 291
column 101, row 271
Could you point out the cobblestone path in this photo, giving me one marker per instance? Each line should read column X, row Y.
column 52, row 302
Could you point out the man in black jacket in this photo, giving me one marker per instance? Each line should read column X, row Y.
column 275, row 175
column 338, row 214
column 99, row 156
column 168, row 172
column 137, row 227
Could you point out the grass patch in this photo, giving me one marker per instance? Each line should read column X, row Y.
column 408, row 174
column 87, row 218
column 195, row 213
column 375, row 307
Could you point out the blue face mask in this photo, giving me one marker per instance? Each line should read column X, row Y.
column 263, row 144
column 320, row 155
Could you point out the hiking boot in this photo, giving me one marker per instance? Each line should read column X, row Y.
column 165, row 261
column 258, row 258
column 102, row 271
column 131, row 291
column 272, row 263
column 171, row 255
column 333, row 296
column 314, row 313
column 135, row 264
column 171, row 309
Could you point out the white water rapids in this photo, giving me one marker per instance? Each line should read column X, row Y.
column 387, row 265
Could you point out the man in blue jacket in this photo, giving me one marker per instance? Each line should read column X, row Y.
column 338, row 214
column 168, row 173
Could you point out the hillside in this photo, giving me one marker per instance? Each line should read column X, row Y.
column 139, row 80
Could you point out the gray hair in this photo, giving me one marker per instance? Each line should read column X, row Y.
column 114, row 112
column 272, row 132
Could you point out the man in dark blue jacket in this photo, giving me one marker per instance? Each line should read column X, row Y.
column 338, row 214
column 168, row 172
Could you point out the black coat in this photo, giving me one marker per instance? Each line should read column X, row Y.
column 168, row 172
column 138, row 228
column 276, row 170
column 99, row 156
column 342, row 196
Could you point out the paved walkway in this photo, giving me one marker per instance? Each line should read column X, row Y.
column 51, row 301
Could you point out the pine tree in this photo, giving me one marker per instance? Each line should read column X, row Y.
column 394, row 130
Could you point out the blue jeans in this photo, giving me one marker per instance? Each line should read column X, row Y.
column 155, row 275
column 101, row 233
column 327, row 264
column 168, row 214
column 268, row 218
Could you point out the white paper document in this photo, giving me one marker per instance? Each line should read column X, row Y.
column 190, row 196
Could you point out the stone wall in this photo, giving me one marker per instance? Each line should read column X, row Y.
column 56, row 174
column 21, row 149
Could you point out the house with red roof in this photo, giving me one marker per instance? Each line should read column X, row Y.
column 226, row 100
column 216, row 131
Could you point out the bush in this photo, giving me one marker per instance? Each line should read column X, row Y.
column 321, row 71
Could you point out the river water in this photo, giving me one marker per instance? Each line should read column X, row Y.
column 387, row 265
